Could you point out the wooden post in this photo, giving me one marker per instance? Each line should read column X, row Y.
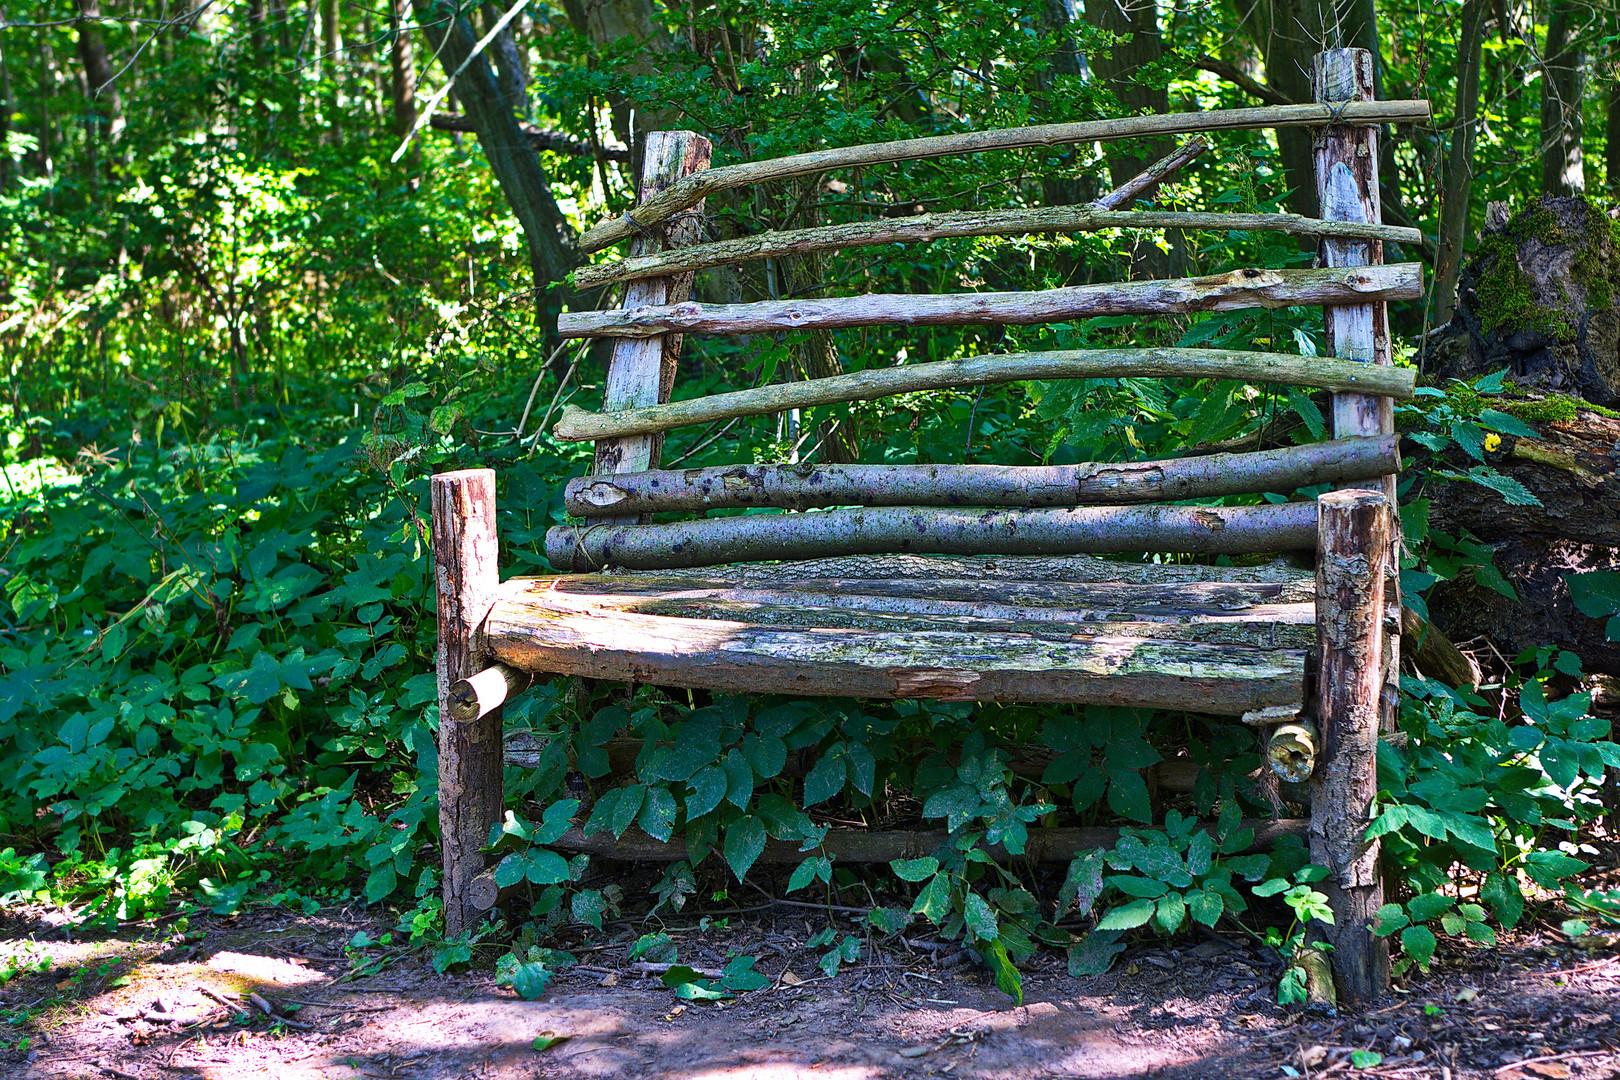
column 642, row 371
column 467, row 576
column 1346, row 159
column 1351, row 572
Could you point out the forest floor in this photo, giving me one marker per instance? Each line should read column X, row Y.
column 183, row 1005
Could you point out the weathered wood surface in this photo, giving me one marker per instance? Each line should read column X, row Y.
column 1077, row 569
column 479, row 695
column 1266, row 614
column 1352, row 566
column 1291, row 751
column 641, row 371
column 1151, row 177
column 466, row 579
column 577, row 424
column 1228, row 530
column 926, row 227
column 1248, row 288
column 801, row 487
column 690, row 191
column 931, row 645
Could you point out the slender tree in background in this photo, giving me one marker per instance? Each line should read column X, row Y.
column 402, row 64
column 107, row 117
column 8, row 105
column 1458, row 187
column 513, row 160
column 1563, row 65
column 1611, row 126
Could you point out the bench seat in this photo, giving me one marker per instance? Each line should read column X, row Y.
column 1208, row 639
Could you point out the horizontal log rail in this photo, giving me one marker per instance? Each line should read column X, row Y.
column 925, row 227
column 691, row 190
column 1226, row 530
column 1322, row 373
column 1248, row 288
column 1058, row 845
column 802, row 487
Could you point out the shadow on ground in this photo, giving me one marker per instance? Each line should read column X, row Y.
column 193, row 1005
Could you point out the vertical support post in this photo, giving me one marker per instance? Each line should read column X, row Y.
column 1346, row 159
column 467, row 577
column 1347, row 190
column 1352, row 562
column 642, row 370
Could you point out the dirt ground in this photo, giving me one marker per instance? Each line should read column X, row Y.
column 183, row 1006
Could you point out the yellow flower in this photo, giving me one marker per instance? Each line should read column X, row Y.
column 1493, row 442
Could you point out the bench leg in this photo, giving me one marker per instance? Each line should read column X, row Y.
column 470, row 784
column 1352, row 562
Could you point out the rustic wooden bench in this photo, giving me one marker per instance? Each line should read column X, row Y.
column 965, row 582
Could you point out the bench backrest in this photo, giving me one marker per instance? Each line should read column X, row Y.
column 1034, row 510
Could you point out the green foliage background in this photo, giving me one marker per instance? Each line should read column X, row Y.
column 233, row 352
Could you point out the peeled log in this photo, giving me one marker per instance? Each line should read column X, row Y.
column 801, row 487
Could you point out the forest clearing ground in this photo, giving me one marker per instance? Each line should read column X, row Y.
column 138, row 1006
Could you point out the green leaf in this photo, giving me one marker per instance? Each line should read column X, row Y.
column 529, row 981
column 804, row 875
column 826, row 778
column 380, row 883
column 1095, row 954
column 626, row 809
column 739, row 780
column 1206, row 906
column 1596, row 594
column 1128, row 796
column 745, row 841
column 1008, row 979
column 862, row 768
column 1170, row 912
column 1365, row 1059
column 708, row 790
column 739, row 975
column 957, row 804
column 934, row 902
column 546, row 1042
column 1271, row 887
column 1501, row 894
column 766, row 753
column 1128, row 916
column 657, row 818
column 1426, row 906
column 696, row 991
column 1419, row 943
column 1497, row 420
column 979, row 916
column 915, row 869
column 887, row 920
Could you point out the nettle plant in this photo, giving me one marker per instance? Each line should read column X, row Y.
column 1499, row 794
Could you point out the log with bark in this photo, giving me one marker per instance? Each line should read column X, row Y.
column 935, row 530
column 689, row 192
column 1247, row 288
column 1166, row 363
column 801, row 487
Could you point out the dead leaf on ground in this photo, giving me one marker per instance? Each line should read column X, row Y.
column 790, row 979
column 1552, row 1070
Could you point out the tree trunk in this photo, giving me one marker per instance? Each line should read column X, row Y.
column 515, row 162
column 1563, row 80
column 1541, row 298
column 402, row 63
column 1459, row 179
column 107, row 122
column 1288, row 34
column 8, row 105
column 331, row 65
column 1124, row 69
column 606, row 22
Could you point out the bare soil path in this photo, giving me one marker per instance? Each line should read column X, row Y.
column 184, row 1006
